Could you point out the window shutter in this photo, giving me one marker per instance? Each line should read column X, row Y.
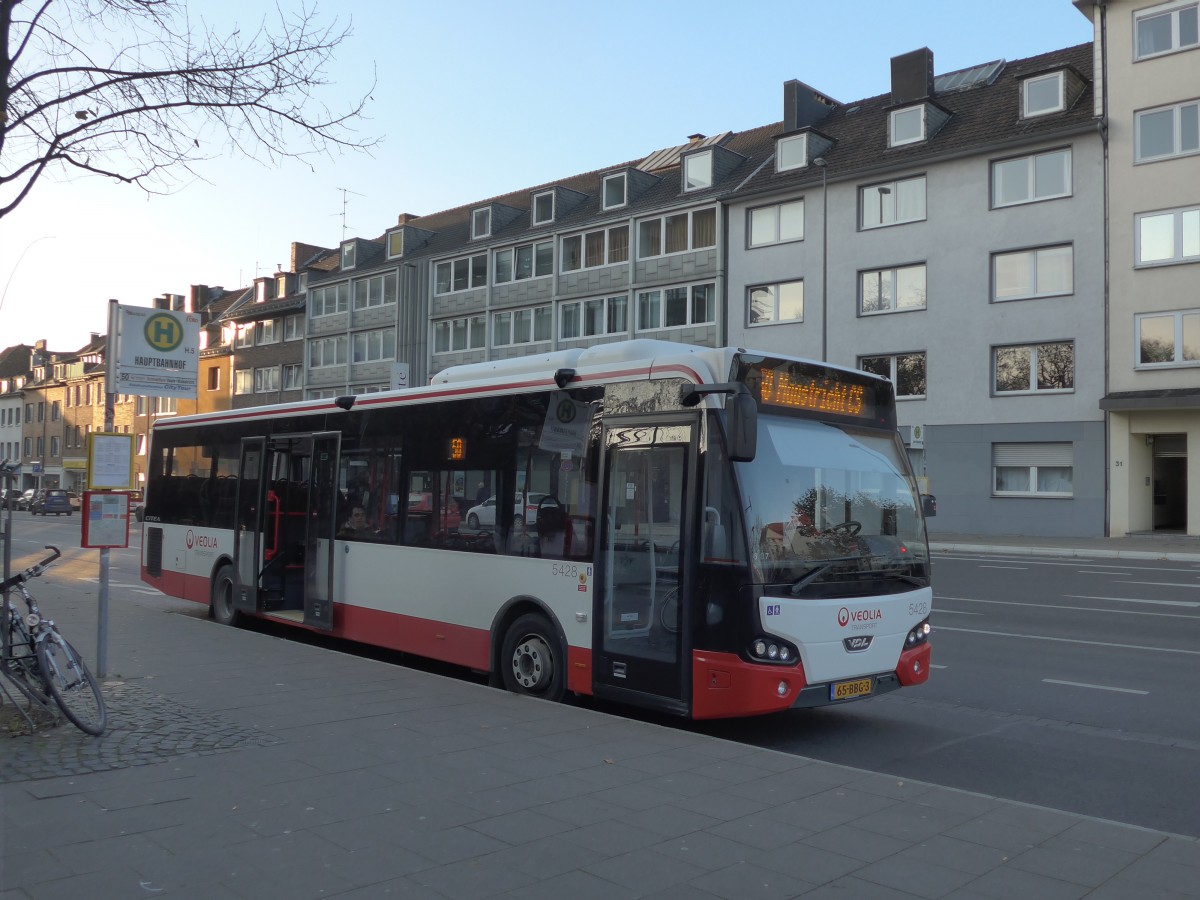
column 1033, row 455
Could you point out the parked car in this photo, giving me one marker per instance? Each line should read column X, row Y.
column 484, row 515
column 54, row 501
column 25, row 501
column 8, row 496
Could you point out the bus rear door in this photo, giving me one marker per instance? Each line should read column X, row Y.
column 286, row 518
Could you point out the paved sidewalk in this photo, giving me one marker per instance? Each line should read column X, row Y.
column 239, row 765
column 1177, row 547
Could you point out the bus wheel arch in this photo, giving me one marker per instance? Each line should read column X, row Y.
column 529, row 650
column 220, row 601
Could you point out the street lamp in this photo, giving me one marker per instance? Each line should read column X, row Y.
column 820, row 163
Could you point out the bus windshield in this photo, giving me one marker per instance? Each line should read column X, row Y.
column 831, row 511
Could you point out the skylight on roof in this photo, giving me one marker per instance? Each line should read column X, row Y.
column 966, row 78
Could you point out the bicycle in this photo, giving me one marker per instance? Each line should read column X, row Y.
column 42, row 662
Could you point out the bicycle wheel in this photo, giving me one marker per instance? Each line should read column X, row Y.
column 71, row 684
column 22, row 662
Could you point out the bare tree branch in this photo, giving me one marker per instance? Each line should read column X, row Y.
column 139, row 91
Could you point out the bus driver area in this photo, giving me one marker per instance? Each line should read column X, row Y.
column 717, row 532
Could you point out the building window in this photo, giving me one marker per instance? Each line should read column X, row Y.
column 791, row 153
column 55, row 411
column 293, row 377
column 698, row 171
column 776, row 224
column 54, row 449
column 325, row 301
column 1034, row 368
column 1043, row 95
column 1026, row 179
column 543, row 208
column 245, row 335
column 522, row 326
column 293, row 327
column 460, row 274
column 349, row 253
column 892, row 203
column 1168, row 339
column 1171, row 236
column 595, row 248
column 377, row 291
column 243, row 381
column 1044, row 272
column 467, row 333
column 28, row 447
column 330, row 351
column 591, row 318
column 1032, row 470
column 1167, row 132
column 906, row 371
column 771, row 303
column 526, row 261
column 1166, row 28
column 906, row 126
column 371, row 346
column 395, row 244
column 481, row 223
column 266, row 380
column 676, row 306
column 615, row 190
column 266, row 332
column 214, row 378
column 891, row 290
column 677, row 233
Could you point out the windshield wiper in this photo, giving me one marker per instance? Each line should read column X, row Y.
column 819, row 569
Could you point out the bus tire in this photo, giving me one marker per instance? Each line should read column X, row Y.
column 221, row 607
column 532, row 660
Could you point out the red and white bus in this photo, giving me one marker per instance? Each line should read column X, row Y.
column 719, row 532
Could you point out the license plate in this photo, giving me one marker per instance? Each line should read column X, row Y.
column 845, row 690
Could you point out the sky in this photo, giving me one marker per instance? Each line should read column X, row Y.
column 473, row 99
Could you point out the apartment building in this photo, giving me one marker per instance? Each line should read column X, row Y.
column 1148, row 60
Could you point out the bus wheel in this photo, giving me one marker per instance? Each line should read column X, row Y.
column 222, row 597
column 531, row 659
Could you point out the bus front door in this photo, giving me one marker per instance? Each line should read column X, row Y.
column 320, row 530
column 641, row 626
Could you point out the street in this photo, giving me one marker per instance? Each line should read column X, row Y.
column 1061, row 682
column 1065, row 683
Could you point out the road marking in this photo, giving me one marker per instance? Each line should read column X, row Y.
column 1094, row 572
column 1043, row 637
column 1161, row 584
column 939, row 667
column 955, row 612
column 1022, row 568
column 1096, row 687
column 1188, row 603
column 1067, row 561
column 1115, row 612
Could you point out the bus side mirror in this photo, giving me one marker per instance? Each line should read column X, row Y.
column 742, row 420
column 928, row 505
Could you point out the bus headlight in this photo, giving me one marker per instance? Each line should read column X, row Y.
column 772, row 650
column 918, row 635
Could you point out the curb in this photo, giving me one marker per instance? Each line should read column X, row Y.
column 1008, row 550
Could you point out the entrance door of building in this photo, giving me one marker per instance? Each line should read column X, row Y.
column 1169, row 480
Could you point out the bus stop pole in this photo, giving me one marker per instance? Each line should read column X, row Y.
column 110, row 416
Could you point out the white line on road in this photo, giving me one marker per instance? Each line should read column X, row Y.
column 1121, row 568
column 1059, row 640
column 955, row 612
column 1187, row 603
column 1094, row 572
column 1021, row 568
column 1113, row 612
column 1097, row 687
column 938, row 667
column 1161, row 584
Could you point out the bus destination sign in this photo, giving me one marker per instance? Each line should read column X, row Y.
column 814, row 389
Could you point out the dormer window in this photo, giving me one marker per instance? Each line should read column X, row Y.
column 698, row 171
column 906, row 126
column 791, row 153
column 349, row 254
column 543, row 208
column 615, row 190
column 1042, row 95
column 395, row 244
column 481, row 223
column 281, row 286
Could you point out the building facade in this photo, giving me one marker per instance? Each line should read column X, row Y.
column 1148, row 57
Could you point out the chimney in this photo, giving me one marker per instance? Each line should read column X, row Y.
column 201, row 295
column 695, row 138
column 804, row 106
column 912, row 76
column 405, row 218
